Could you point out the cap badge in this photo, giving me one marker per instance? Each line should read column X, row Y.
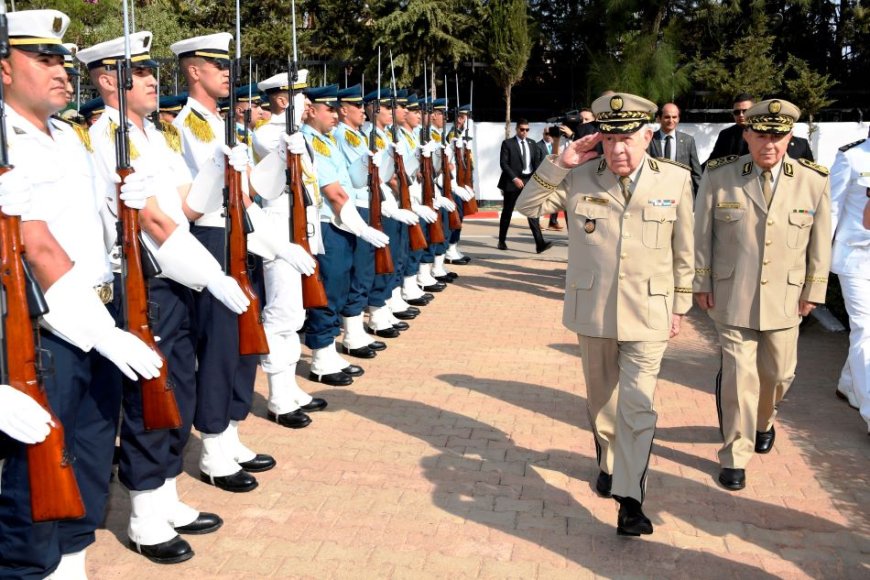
column 774, row 107
column 57, row 25
column 616, row 104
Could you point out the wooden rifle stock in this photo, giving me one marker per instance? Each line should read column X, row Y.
column 436, row 228
column 465, row 177
column 252, row 336
column 416, row 238
column 159, row 407
column 383, row 258
column 454, row 220
column 54, row 493
column 313, row 292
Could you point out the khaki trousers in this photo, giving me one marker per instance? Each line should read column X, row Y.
column 620, row 383
column 757, row 369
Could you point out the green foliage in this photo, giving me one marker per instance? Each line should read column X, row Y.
column 807, row 88
column 509, row 47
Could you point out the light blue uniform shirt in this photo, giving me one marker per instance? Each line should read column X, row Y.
column 330, row 166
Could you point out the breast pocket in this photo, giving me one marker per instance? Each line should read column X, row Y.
column 579, row 301
column 659, row 314
column 799, row 226
column 728, row 223
column 593, row 219
column 658, row 226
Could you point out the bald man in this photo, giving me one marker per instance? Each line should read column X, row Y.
column 668, row 143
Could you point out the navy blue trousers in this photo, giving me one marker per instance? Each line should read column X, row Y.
column 362, row 274
column 148, row 458
column 324, row 324
column 455, row 234
column 383, row 285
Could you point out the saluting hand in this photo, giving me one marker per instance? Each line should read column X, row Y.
column 579, row 151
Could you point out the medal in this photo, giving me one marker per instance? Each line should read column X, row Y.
column 589, row 227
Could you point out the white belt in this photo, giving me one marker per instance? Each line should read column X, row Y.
column 212, row 220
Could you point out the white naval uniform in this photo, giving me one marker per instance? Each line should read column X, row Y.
column 851, row 262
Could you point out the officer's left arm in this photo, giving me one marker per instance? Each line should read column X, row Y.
column 818, row 253
column 683, row 248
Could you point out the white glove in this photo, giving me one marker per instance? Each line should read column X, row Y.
column 294, row 143
column 441, row 201
column 22, row 418
column 136, row 189
column 237, row 156
column 426, row 213
column 429, row 148
column 206, row 193
column 462, row 192
column 15, row 192
column 406, row 217
column 129, row 354
column 377, row 158
column 460, row 143
column 350, row 221
column 228, row 291
column 296, row 256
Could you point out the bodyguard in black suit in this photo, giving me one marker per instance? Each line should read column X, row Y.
column 519, row 158
column 675, row 145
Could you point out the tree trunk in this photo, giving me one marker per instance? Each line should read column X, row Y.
column 507, row 113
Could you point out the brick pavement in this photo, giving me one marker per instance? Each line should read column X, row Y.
column 465, row 451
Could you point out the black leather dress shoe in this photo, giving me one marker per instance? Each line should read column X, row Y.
column 631, row 520
column 377, row 345
column 353, row 371
column 361, row 352
column 401, row 326
column 544, row 247
column 436, row 287
column 417, row 302
column 338, row 379
column 444, row 279
column 293, row 420
column 170, row 552
column 405, row 315
column 239, row 482
column 459, row 262
column 316, row 404
column 502, row 246
column 260, row 462
column 385, row 333
column 764, row 440
column 205, row 523
column 428, row 297
column 413, row 310
column 733, row 479
column 603, row 484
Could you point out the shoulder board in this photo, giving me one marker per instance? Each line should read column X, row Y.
column 653, row 165
column 436, row 136
column 110, row 131
column 820, row 169
column 672, row 162
column 850, row 145
column 172, row 136
column 352, row 138
column 379, row 142
column 81, row 133
column 320, row 147
column 199, row 127
column 716, row 163
column 602, row 165
column 260, row 123
column 331, row 138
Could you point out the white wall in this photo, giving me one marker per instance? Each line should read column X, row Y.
column 488, row 137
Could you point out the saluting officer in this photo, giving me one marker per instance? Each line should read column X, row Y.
column 628, row 282
column 762, row 255
column 64, row 234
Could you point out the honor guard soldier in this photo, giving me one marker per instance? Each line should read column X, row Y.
column 151, row 460
column 283, row 314
column 850, row 188
column 762, row 255
column 170, row 106
column 441, row 164
column 628, row 282
column 354, row 147
column 247, row 99
column 386, row 307
column 225, row 379
column 455, row 138
column 342, row 229
column 91, row 110
column 64, row 235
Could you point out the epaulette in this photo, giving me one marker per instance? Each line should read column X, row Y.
column 379, row 142
column 260, row 123
column 332, row 138
column 653, row 165
column 850, row 145
column 672, row 162
column 110, row 132
column 199, row 127
column 320, row 147
column 81, row 132
column 352, row 138
column 436, row 136
column 721, row 161
column 820, row 169
column 172, row 136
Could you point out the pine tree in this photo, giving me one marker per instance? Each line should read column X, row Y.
column 509, row 48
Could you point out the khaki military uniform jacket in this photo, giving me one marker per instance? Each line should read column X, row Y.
column 759, row 262
column 629, row 268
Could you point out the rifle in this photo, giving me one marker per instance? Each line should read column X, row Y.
column 252, row 337
column 383, row 258
column 436, row 229
column 313, row 291
column 159, row 407
column 54, row 493
column 415, row 233
column 464, row 170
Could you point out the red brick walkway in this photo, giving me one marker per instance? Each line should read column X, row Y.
column 465, row 451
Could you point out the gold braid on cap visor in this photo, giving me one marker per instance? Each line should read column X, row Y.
column 770, row 123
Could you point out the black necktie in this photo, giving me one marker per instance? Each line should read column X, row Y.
column 668, row 140
column 524, row 154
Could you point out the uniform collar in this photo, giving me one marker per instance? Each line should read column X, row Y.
column 19, row 123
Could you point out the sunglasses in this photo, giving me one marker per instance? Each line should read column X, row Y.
column 737, row 112
column 523, row 130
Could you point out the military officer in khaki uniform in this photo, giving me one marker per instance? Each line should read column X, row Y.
column 628, row 282
column 762, row 254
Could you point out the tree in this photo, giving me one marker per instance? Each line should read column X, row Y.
column 808, row 89
column 509, row 48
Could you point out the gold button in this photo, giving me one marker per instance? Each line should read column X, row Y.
column 770, row 222
column 623, row 255
column 767, row 242
column 622, row 276
column 763, row 282
column 626, row 215
column 727, row 218
column 766, row 262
